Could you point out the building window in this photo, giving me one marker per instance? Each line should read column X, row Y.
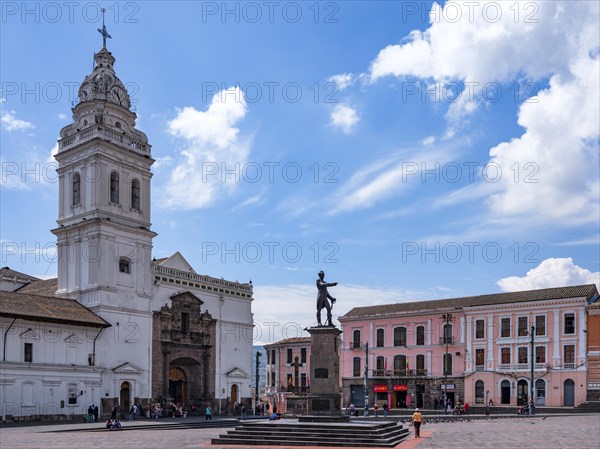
column 135, row 194
column 185, row 322
column 479, row 387
column 303, row 355
column 400, row 365
column 400, row 336
column 76, row 189
column 124, row 265
column 540, row 325
column 479, row 359
column 356, row 339
column 540, row 388
column 273, row 356
column 380, row 338
column 522, row 326
column 28, row 354
column 522, row 355
column 91, row 360
column 268, row 357
column 272, row 378
column 380, row 364
column 420, row 365
column 540, row 354
column 569, row 356
column 114, row 187
column 569, row 323
column 420, row 335
column 290, row 380
column 447, row 363
column 72, row 394
column 447, row 334
column 356, row 366
column 505, row 327
column 505, row 356
column 479, row 329
column 303, row 380
column 289, row 355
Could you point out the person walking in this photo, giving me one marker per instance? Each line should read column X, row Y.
column 385, row 409
column 417, row 419
column 208, row 413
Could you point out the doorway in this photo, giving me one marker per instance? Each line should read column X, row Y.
column 125, row 397
column 357, row 395
column 505, row 392
column 522, row 389
column 569, row 393
column 177, row 385
column 233, row 396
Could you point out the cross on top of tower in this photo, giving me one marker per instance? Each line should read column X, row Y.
column 103, row 31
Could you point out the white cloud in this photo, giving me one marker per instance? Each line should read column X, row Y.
column 11, row 123
column 427, row 141
column 342, row 80
column 477, row 49
column 344, row 117
column 553, row 272
column 62, row 116
column 213, row 146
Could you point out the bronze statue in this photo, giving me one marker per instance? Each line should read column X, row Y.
column 322, row 298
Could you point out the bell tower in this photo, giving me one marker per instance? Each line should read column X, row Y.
column 103, row 234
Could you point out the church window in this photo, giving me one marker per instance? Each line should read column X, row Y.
column 135, row 194
column 118, row 125
column 28, row 355
column 76, row 189
column 85, row 122
column 114, row 187
column 72, row 393
column 185, row 322
column 124, row 265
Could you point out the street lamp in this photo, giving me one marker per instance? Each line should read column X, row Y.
column 531, row 401
column 366, row 378
column 447, row 317
column 258, row 355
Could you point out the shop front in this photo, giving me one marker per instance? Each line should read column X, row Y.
column 401, row 399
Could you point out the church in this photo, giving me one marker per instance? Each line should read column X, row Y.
column 117, row 326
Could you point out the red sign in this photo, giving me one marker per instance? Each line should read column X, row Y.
column 400, row 387
column 380, row 388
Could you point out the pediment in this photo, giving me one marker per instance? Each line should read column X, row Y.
column 73, row 339
column 237, row 373
column 29, row 334
column 186, row 295
column 127, row 368
column 177, row 262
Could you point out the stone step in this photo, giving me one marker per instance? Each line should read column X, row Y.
column 300, row 433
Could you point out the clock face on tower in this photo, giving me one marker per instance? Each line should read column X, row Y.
column 118, row 95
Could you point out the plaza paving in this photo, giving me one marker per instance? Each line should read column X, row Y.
column 552, row 432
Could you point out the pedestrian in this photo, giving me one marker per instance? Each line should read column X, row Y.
column 385, row 409
column 351, row 409
column 96, row 413
column 208, row 413
column 376, row 409
column 113, row 414
column 244, row 412
column 417, row 419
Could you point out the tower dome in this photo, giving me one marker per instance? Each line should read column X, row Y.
column 103, row 83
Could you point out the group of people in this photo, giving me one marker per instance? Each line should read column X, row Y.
column 113, row 424
column 92, row 414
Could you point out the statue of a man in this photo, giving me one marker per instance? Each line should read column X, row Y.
column 322, row 298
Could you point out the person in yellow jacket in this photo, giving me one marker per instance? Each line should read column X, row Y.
column 417, row 419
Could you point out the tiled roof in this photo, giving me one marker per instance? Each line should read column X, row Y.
column 7, row 272
column 47, row 287
column 47, row 308
column 289, row 341
column 587, row 291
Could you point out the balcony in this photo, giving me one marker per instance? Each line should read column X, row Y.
column 446, row 340
column 568, row 366
column 479, row 367
column 355, row 346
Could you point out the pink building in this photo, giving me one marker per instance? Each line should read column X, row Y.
column 288, row 368
column 477, row 349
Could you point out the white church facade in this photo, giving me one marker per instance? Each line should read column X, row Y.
column 105, row 264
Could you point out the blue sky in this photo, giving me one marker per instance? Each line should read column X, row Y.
column 411, row 150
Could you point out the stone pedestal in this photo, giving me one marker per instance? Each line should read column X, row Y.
column 324, row 399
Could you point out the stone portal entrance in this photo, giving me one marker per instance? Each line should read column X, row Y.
column 125, row 397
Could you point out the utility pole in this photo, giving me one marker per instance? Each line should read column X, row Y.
column 258, row 355
column 532, row 403
column 447, row 317
column 367, row 379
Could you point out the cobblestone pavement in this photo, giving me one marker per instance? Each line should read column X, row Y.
column 553, row 432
